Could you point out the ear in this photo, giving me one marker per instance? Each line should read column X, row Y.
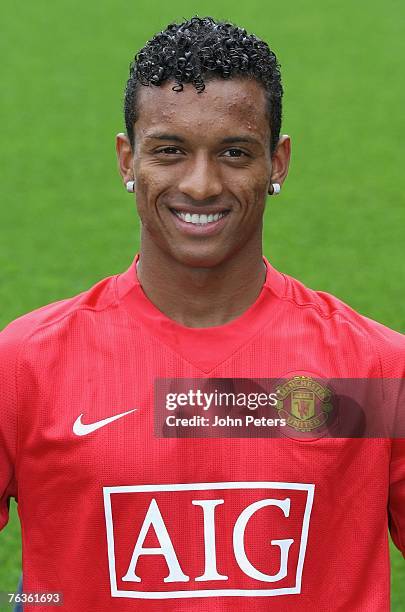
column 124, row 157
column 280, row 160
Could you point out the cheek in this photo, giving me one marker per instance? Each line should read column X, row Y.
column 143, row 197
column 261, row 194
column 150, row 189
column 153, row 180
column 254, row 192
column 147, row 188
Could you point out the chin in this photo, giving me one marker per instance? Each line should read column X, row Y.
column 199, row 260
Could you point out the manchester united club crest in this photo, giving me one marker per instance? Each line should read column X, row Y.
column 304, row 403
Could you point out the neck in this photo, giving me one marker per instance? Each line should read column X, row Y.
column 201, row 297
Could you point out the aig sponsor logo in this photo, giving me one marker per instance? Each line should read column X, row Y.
column 207, row 539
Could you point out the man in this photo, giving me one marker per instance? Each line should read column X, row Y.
column 120, row 511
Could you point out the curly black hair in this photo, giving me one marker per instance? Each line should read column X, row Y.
column 204, row 48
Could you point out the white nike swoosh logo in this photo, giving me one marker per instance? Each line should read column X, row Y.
column 82, row 429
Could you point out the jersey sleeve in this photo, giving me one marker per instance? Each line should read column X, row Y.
column 391, row 349
column 396, row 504
column 9, row 346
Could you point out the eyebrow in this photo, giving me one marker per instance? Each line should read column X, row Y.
column 231, row 139
column 227, row 140
column 161, row 136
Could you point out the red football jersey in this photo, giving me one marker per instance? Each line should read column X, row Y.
column 116, row 518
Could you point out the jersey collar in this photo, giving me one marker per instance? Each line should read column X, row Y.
column 207, row 347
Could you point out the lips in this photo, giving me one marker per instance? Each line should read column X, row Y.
column 199, row 218
column 206, row 223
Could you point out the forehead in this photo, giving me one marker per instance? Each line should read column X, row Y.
column 223, row 106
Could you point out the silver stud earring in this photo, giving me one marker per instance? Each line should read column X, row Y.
column 276, row 189
column 130, row 185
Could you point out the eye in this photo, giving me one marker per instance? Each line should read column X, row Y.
column 169, row 150
column 235, row 153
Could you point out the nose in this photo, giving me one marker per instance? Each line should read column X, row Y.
column 201, row 179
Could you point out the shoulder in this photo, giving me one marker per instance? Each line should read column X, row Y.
column 336, row 319
column 39, row 337
column 56, row 316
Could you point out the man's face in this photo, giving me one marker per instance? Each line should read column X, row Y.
column 202, row 168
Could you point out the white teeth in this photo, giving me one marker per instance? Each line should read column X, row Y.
column 199, row 219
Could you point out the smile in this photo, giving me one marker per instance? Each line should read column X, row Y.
column 197, row 219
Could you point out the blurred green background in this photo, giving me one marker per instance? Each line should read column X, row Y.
column 66, row 221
